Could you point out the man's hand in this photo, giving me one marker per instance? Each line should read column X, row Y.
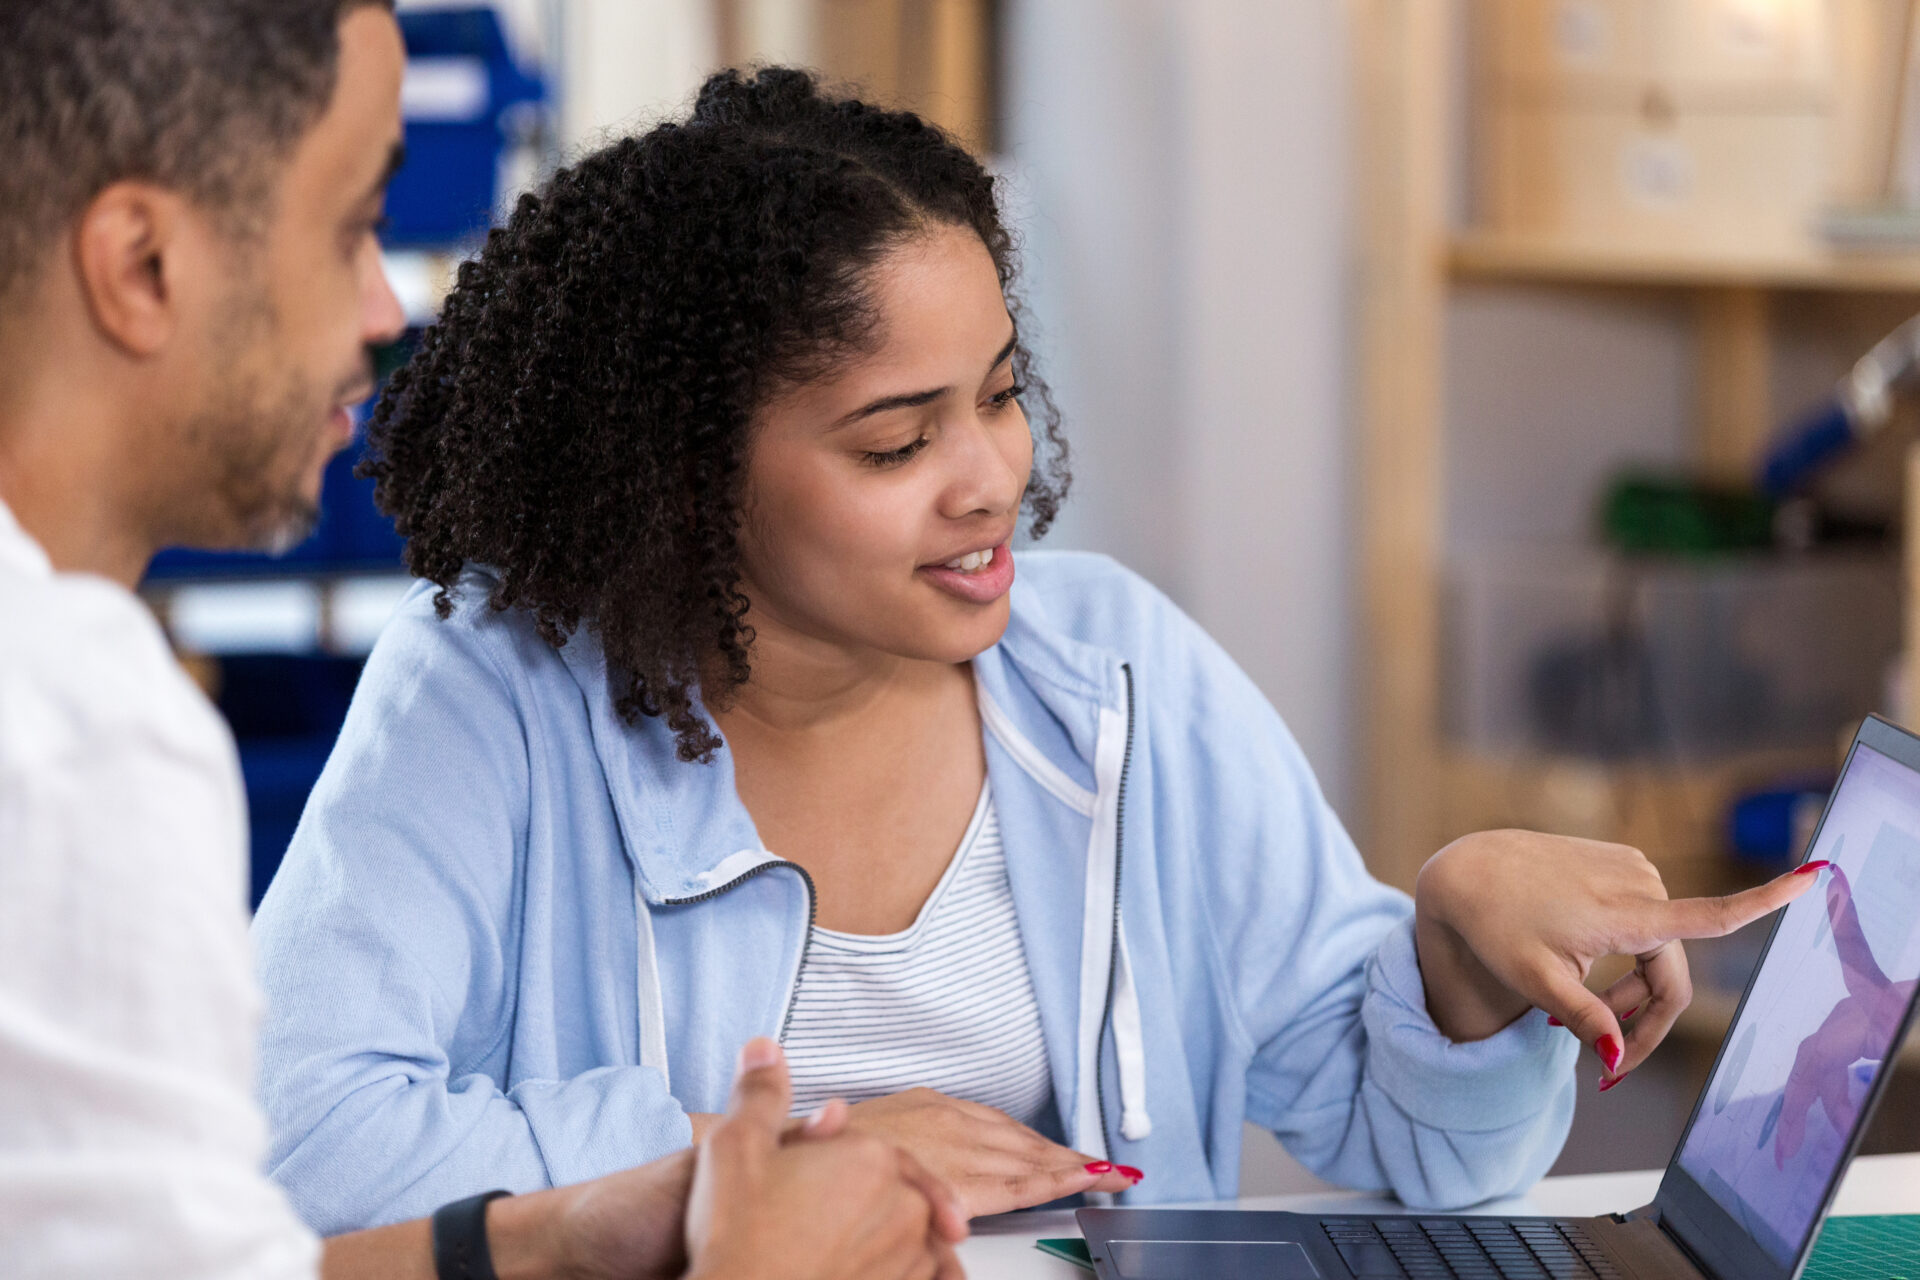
column 829, row 1206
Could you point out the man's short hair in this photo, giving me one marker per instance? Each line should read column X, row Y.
column 201, row 96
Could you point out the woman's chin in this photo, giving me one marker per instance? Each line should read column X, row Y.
column 950, row 640
column 980, row 635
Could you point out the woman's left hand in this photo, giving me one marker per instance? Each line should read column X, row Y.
column 1505, row 920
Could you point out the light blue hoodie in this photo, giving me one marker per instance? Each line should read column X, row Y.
column 515, row 940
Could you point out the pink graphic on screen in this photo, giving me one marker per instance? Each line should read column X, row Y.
column 1822, row 1018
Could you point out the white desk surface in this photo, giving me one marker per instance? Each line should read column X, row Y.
column 1002, row 1248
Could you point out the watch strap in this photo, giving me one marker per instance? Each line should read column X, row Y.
column 460, row 1249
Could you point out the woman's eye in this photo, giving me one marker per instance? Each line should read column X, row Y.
column 894, row 457
column 1007, row 397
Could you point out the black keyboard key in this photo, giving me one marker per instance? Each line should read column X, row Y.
column 1370, row 1260
column 1468, row 1249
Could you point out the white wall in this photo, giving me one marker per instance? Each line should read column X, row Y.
column 1183, row 187
column 1181, row 179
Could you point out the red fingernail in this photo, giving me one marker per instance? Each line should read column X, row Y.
column 1629, row 1013
column 1607, row 1082
column 1808, row 868
column 1099, row 1166
column 1610, row 1051
column 1128, row 1171
column 1554, row 1022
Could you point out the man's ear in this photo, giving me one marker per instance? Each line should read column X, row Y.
column 125, row 249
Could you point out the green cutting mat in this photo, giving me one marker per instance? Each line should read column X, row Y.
column 1885, row 1247
column 1882, row 1247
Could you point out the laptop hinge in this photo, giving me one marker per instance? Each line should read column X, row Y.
column 1699, row 1264
column 1651, row 1213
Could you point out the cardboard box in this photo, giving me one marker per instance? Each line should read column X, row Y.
column 1724, row 127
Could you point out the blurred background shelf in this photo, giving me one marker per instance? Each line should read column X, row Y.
column 323, row 613
column 1669, row 162
column 1504, row 258
column 1597, row 235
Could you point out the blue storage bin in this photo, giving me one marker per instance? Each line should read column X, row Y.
column 285, row 712
column 462, row 86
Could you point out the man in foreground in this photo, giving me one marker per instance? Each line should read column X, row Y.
column 189, row 284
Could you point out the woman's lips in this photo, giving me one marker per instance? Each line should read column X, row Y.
column 982, row 586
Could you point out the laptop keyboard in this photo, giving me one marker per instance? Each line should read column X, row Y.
column 1467, row 1249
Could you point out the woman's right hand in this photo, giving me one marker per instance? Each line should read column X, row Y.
column 994, row 1163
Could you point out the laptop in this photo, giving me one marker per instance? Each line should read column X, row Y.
column 1762, row 1154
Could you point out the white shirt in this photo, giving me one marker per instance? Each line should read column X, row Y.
column 130, row 1141
column 947, row 1004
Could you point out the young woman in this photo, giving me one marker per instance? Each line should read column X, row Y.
column 727, row 710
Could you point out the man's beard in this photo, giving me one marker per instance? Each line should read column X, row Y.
column 255, row 443
column 259, row 448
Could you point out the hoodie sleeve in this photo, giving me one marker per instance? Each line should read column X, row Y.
column 387, row 946
column 1316, row 963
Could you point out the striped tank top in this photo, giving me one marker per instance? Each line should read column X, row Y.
column 946, row 1004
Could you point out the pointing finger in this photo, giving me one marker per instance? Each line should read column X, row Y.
column 1717, row 917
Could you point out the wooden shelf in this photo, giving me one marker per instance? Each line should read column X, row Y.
column 1419, row 790
column 1489, row 257
column 1673, row 812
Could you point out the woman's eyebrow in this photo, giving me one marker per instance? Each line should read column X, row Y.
column 914, row 399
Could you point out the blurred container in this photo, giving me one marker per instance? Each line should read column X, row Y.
column 461, row 97
column 1722, row 127
column 1585, row 654
column 1777, row 825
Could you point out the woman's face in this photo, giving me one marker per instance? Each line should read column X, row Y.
column 867, row 485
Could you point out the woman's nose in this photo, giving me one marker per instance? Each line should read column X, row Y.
column 985, row 480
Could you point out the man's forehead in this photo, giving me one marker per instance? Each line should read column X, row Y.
column 346, row 153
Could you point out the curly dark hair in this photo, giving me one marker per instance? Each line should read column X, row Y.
column 578, row 418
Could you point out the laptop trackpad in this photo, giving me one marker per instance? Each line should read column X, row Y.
column 1213, row 1259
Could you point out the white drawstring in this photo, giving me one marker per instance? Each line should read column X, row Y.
column 1105, row 965
column 653, row 1013
column 1096, row 930
column 1130, row 1048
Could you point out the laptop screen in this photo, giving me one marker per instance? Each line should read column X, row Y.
column 1826, row 1009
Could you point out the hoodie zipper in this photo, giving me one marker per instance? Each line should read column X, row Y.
column 1113, row 962
column 806, row 941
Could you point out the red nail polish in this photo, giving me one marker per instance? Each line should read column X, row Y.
column 1607, row 1082
column 1554, row 1022
column 1610, row 1051
column 1099, row 1166
column 1128, row 1171
column 1629, row 1013
column 1808, row 868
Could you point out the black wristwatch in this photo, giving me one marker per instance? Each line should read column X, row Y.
column 460, row 1239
